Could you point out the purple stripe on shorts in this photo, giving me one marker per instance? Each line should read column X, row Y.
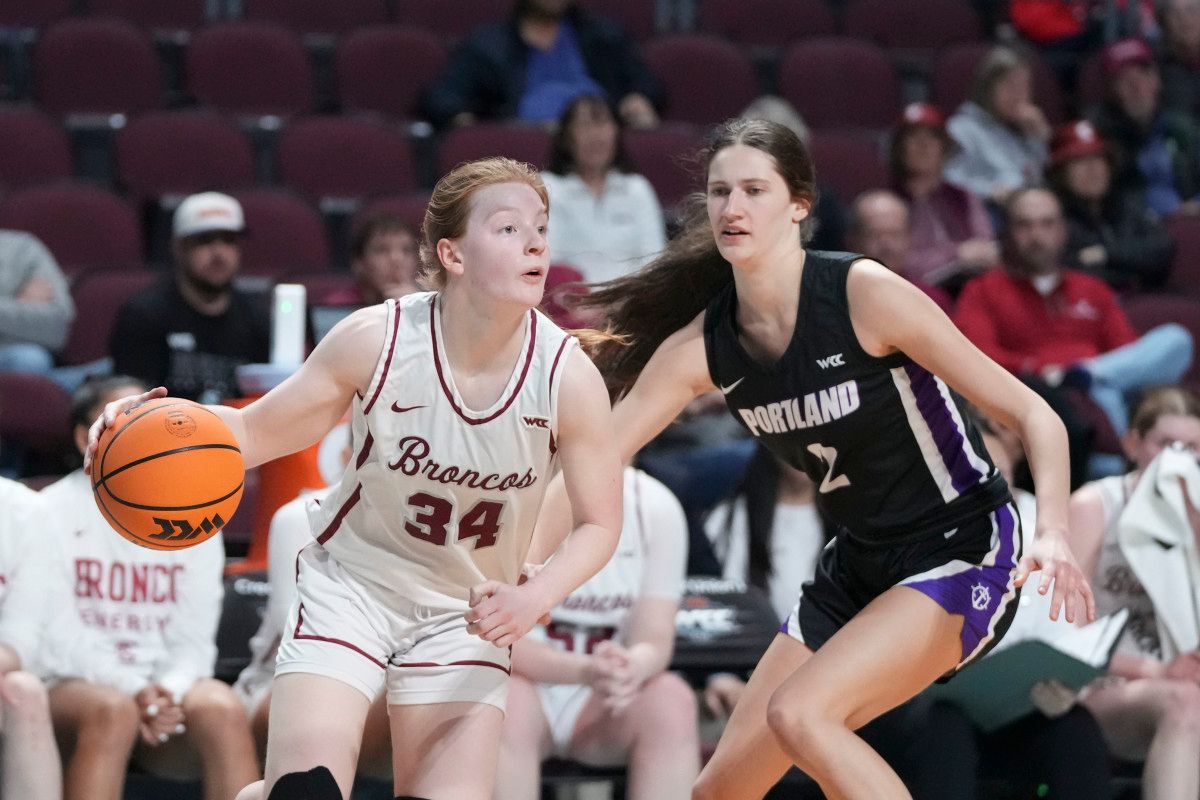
column 946, row 435
column 980, row 594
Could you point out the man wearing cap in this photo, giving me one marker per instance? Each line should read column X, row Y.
column 1157, row 150
column 1112, row 233
column 193, row 328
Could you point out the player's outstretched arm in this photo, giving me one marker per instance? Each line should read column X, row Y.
column 889, row 314
column 674, row 375
column 592, row 469
column 300, row 410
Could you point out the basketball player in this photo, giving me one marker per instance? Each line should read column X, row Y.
column 592, row 685
column 154, row 613
column 463, row 398
column 844, row 370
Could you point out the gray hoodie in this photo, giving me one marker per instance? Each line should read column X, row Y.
column 22, row 258
column 991, row 155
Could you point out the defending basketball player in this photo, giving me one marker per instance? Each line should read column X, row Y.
column 842, row 369
column 463, row 398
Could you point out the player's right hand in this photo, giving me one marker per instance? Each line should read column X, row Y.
column 109, row 416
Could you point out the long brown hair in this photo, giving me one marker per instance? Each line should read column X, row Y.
column 1163, row 401
column 450, row 205
column 647, row 306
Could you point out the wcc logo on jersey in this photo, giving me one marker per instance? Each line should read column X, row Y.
column 537, row 422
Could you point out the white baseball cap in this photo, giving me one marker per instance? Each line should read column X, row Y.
column 207, row 212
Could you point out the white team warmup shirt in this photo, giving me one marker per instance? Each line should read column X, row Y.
column 27, row 577
column 440, row 497
column 157, row 611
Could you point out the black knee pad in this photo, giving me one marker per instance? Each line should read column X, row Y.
column 316, row 784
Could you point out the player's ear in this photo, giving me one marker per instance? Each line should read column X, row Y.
column 450, row 255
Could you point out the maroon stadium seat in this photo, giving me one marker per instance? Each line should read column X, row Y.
column 636, row 17
column 1185, row 265
column 320, row 287
column 769, row 23
column 250, row 68
column 319, row 16
column 839, row 82
column 344, row 157
column 850, row 163
column 98, row 296
column 954, row 71
column 408, row 207
column 523, row 142
column 35, row 413
column 96, row 66
column 926, row 26
column 163, row 15
column 691, row 66
column 1093, row 83
column 82, row 225
column 284, row 234
column 35, row 149
column 386, row 69
column 451, row 19
column 1150, row 310
column 181, row 152
column 663, row 156
column 32, row 13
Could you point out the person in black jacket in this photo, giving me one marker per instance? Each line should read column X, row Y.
column 1114, row 235
column 533, row 64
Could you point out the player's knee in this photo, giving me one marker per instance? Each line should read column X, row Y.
column 216, row 707
column 668, row 702
column 111, row 712
column 795, row 722
column 316, row 784
column 706, row 788
column 24, row 692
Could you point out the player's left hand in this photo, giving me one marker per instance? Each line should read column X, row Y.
column 1051, row 554
column 501, row 613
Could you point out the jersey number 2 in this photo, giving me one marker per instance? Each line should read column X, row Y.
column 829, row 456
column 481, row 523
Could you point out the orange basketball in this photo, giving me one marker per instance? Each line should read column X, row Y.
column 168, row 474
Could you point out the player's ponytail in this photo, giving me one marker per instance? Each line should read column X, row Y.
column 644, row 308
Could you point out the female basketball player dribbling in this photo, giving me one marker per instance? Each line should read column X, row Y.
column 834, row 363
column 410, row 584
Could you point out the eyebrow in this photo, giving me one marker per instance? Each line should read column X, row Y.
column 542, row 212
column 718, row 181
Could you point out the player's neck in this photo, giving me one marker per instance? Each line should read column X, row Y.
column 769, row 291
column 478, row 336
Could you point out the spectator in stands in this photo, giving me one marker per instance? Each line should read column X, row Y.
column 1149, row 705
column 533, row 64
column 605, row 219
column 1157, row 150
column 593, row 685
column 1112, row 234
column 880, row 229
column 383, row 262
column 1001, row 134
column 950, row 232
column 1037, row 317
column 1180, row 62
column 28, row 753
column 829, row 218
column 35, row 305
column 156, row 612
column 192, row 329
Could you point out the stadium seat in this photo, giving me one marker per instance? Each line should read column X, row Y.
column 954, row 71
column 33, row 13
column 523, row 142
column 283, row 234
column 690, row 66
column 36, row 418
column 98, row 296
column 663, row 156
column 850, row 163
column 408, row 207
column 181, row 152
column 386, row 69
column 1150, row 310
column 838, row 82
column 1093, row 83
column 319, row 286
column 742, row 21
column 344, row 158
column 451, row 19
column 83, row 226
column 96, row 66
column 1185, row 265
column 320, row 17
column 902, row 25
column 35, row 148
column 154, row 15
column 635, row 17
column 250, row 68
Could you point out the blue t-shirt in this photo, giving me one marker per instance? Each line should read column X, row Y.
column 555, row 77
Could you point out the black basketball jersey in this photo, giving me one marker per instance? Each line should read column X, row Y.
column 889, row 446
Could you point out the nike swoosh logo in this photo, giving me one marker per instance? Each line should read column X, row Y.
column 732, row 386
column 399, row 409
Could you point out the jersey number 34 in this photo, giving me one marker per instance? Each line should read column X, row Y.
column 433, row 516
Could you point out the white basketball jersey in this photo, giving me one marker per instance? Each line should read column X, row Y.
column 440, row 497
